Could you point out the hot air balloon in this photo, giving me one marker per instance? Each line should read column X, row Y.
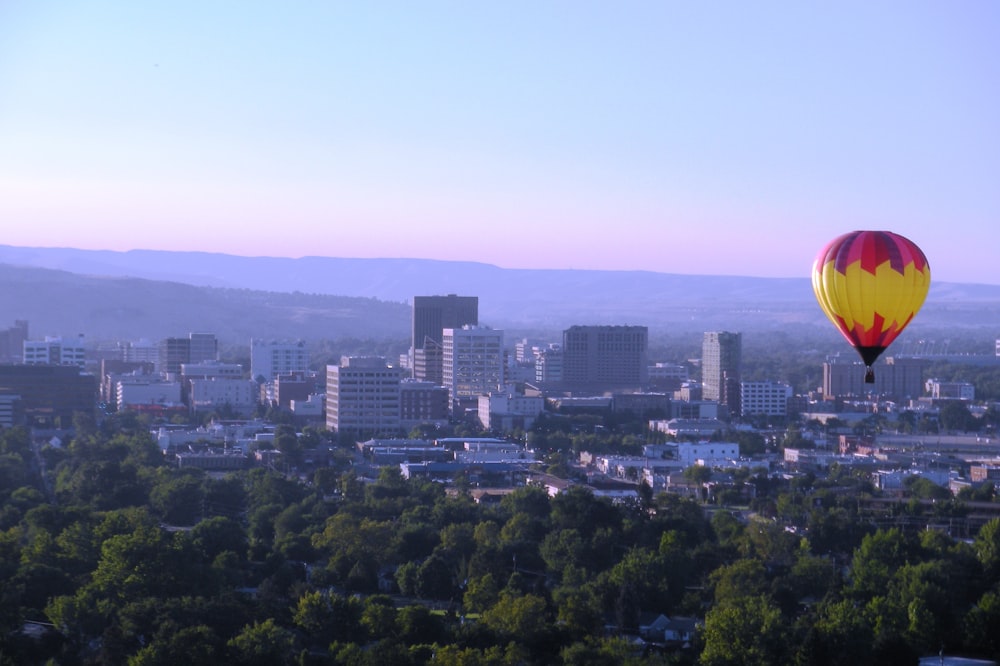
column 871, row 284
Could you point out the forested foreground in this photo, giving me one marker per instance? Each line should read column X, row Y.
column 122, row 558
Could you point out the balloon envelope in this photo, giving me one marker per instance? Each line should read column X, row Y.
column 871, row 284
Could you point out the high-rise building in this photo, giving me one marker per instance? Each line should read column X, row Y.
column 472, row 363
column 362, row 397
column 721, row 360
column 49, row 395
column 896, row 378
column 204, row 347
column 269, row 358
column 431, row 315
column 140, row 351
column 55, row 351
column 12, row 342
column 195, row 348
column 549, row 366
column 764, row 398
column 422, row 403
column 604, row 358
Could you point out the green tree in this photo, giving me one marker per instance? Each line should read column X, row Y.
column 263, row 644
column 748, row 632
column 737, row 581
column 482, row 592
column 178, row 498
column 522, row 618
column 213, row 536
column 877, row 559
column 191, row 646
column 954, row 415
column 327, row 616
column 987, row 549
column 417, row 624
column 981, row 628
column 378, row 617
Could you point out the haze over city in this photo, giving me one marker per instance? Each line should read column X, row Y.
column 708, row 138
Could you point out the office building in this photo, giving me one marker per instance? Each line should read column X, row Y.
column 427, row 363
column 141, row 351
column 764, row 398
column 506, row 410
column 55, row 351
column 112, row 370
column 270, row 358
column 896, row 378
column 230, row 396
column 362, row 397
column 667, row 377
column 12, row 342
column 549, row 366
column 721, row 360
column 292, row 386
column 50, row 394
column 939, row 390
column 472, row 363
column 204, row 347
column 422, row 403
column 431, row 316
column 141, row 390
column 196, row 348
column 605, row 358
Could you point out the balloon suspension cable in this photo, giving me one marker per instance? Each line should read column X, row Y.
column 869, row 375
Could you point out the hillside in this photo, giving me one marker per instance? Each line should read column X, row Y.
column 154, row 294
column 61, row 304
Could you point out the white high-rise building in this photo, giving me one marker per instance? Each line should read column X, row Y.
column 765, row 398
column 472, row 363
column 140, row 351
column 236, row 395
column 362, row 396
column 270, row 358
column 55, row 351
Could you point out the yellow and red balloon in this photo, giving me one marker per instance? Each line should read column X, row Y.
column 871, row 284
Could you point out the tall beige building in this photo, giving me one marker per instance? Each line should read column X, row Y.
column 603, row 358
column 362, row 397
column 721, row 360
column 896, row 378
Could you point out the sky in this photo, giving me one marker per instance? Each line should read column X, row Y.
column 709, row 138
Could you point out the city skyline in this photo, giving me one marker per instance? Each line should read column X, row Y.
column 690, row 139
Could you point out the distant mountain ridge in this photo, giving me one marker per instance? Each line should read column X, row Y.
column 336, row 297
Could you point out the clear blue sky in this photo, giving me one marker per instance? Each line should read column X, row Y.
column 727, row 138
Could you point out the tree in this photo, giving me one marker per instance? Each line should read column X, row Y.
column 748, row 632
column 739, row 580
column 955, row 416
column 213, row 536
column 191, row 646
column 327, row 616
column 981, row 623
column 839, row 635
column 147, row 562
column 178, row 498
column 435, row 579
column 378, row 617
column 987, row 548
column 522, row 618
column 263, row 644
column 481, row 593
column 877, row 559
column 417, row 624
